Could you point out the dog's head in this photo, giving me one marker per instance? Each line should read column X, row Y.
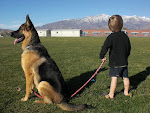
column 25, row 33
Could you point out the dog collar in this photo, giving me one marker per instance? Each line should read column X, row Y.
column 27, row 47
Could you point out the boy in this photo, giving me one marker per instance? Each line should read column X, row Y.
column 119, row 47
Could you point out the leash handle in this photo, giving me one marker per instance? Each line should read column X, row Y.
column 89, row 79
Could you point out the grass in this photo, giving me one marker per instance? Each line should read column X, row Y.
column 77, row 58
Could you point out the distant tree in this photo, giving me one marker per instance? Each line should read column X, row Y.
column 5, row 34
column 148, row 28
column 102, row 28
column 124, row 28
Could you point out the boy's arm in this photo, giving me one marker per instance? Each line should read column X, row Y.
column 105, row 48
column 129, row 47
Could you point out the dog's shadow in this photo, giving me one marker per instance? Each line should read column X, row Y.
column 135, row 80
column 75, row 83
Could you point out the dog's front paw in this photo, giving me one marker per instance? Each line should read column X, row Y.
column 24, row 99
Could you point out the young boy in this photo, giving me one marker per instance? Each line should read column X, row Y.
column 119, row 47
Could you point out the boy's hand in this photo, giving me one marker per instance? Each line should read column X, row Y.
column 104, row 59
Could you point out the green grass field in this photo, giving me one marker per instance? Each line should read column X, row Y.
column 77, row 58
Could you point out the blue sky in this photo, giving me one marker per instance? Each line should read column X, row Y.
column 13, row 12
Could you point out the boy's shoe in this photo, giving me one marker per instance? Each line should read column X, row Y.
column 129, row 95
column 108, row 97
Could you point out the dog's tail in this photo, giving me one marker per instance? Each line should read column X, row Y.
column 71, row 107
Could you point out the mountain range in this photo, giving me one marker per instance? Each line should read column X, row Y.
column 99, row 22
column 5, row 30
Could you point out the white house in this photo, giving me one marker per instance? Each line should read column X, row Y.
column 43, row 32
column 66, row 33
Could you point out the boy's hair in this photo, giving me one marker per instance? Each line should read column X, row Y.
column 115, row 23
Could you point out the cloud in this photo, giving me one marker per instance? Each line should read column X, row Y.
column 4, row 26
column 16, row 26
column 17, row 22
column 38, row 24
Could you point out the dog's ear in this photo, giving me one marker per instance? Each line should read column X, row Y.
column 28, row 22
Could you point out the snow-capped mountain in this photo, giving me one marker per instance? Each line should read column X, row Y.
column 99, row 22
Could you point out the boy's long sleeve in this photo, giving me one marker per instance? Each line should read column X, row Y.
column 119, row 47
column 129, row 47
column 105, row 48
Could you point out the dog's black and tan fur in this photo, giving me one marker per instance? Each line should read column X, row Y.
column 41, row 70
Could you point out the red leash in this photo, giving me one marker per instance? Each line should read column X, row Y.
column 89, row 79
column 37, row 94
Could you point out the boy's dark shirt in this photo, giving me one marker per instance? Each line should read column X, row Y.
column 119, row 45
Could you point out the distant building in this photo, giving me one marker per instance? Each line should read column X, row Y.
column 104, row 33
column 138, row 33
column 43, row 32
column 88, row 33
column 95, row 33
column 1, row 35
column 66, row 33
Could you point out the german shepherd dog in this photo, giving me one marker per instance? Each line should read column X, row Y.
column 41, row 70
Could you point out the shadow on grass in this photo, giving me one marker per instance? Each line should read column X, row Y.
column 135, row 80
column 75, row 83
